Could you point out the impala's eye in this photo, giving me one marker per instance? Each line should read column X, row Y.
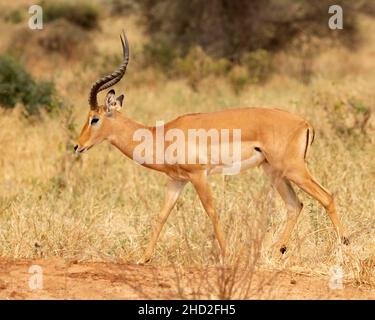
column 94, row 121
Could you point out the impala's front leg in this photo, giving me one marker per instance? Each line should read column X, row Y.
column 199, row 180
column 173, row 191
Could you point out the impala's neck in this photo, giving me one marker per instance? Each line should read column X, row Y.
column 122, row 132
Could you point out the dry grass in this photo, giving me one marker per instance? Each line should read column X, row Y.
column 105, row 206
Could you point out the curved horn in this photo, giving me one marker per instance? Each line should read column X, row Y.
column 112, row 78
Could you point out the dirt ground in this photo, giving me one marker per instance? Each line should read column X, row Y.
column 89, row 280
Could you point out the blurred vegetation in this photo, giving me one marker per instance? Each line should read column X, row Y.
column 244, row 34
column 14, row 16
column 198, row 65
column 231, row 29
column 348, row 115
column 123, row 7
column 195, row 39
column 65, row 38
column 18, row 86
column 61, row 37
column 81, row 13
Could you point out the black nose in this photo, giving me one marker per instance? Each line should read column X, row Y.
column 76, row 147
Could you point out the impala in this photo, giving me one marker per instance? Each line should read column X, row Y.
column 274, row 139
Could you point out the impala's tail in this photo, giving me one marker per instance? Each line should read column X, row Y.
column 310, row 135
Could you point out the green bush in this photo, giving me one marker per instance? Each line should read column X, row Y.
column 258, row 63
column 160, row 55
column 18, row 86
column 197, row 65
column 123, row 7
column 60, row 37
column 14, row 16
column 82, row 13
column 232, row 28
column 243, row 34
column 66, row 39
column 348, row 115
column 239, row 77
column 199, row 62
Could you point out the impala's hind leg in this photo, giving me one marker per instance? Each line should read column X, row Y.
column 293, row 205
column 301, row 176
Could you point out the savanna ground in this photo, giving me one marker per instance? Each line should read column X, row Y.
column 87, row 221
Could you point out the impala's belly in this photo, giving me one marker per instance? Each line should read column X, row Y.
column 223, row 158
column 248, row 157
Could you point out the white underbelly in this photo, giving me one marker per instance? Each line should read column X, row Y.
column 238, row 166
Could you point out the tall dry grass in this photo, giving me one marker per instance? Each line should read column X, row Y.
column 103, row 206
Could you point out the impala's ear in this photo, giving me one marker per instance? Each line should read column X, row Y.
column 119, row 101
column 111, row 103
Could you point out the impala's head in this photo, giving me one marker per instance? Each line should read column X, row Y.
column 97, row 125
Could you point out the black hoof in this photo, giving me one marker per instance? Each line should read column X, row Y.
column 345, row 241
column 283, row 249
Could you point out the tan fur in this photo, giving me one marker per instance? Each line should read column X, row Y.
column 279, row 135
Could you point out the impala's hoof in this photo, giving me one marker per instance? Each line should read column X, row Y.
column 345, row 241
column 283, row 249
column 143, row 261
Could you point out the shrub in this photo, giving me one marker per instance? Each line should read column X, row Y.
column 197, row 65
column 14, row 16
column 61, row 37
column 82, row 13
column 232, row 28
column 66, row 39
column 239, row 77
column 18, row 86
column 160, row 55
column 123, row 7
column 347, row 115
column 259, row 65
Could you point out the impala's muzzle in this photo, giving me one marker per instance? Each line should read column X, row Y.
column 78, row 149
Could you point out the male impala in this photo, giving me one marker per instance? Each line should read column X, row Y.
column 276, row 140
